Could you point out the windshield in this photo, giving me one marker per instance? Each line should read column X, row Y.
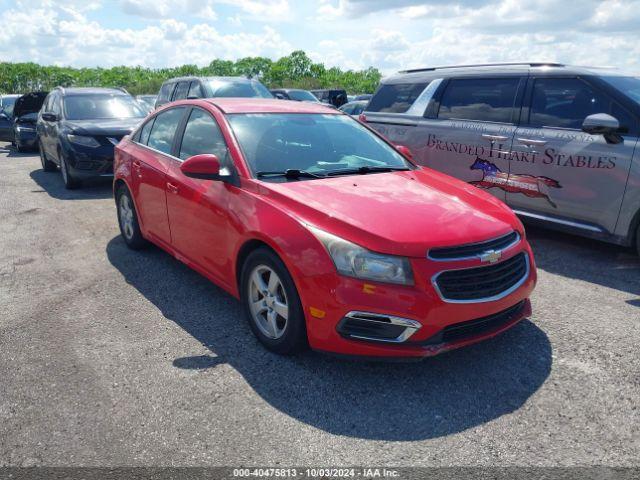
column 7, row 105
column 630, row 86
column 229, row 88
column 302, row 96
column 101, row 106
column 316, row 143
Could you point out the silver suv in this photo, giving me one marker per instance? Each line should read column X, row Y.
column 557, row 143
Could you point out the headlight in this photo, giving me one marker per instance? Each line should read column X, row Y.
column 25, row 128
column 83, row 140
column 354, row 261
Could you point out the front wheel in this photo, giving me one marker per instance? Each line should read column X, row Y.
column 70, row 182
column 272, row 303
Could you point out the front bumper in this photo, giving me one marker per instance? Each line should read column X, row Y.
column 87, row 162
column 443, row 325
column 24, row 137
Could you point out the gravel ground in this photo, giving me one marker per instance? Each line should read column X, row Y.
column 110, row 357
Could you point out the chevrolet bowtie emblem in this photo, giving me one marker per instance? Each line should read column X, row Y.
column 491, row 256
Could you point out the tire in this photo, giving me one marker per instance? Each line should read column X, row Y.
column 70, row 183
column 264, row 305
column 47, row 165
column 128, row 220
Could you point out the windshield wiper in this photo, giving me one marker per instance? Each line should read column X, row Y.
column 289, row 173
column 365, row 170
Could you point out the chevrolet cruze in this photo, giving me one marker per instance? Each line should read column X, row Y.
column 329, row 235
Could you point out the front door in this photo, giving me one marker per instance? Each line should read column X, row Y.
column 471, row 134
column 559, row 171
column 198, row 209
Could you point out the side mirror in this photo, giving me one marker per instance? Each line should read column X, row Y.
column 603, row 124
column 204, row 166
column 405, row 151
column 49, row 117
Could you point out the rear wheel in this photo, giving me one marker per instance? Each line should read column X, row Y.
column 70, row 182
column 128, row 220
column 272, row 303
column 47, row 165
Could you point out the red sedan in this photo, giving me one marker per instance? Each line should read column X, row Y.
column 329, row 235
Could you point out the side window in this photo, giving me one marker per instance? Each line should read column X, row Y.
column 143, row 135
column 181, row 91
column 194, row 90
column 202, row 135
column 395, row 98
column 165, row 92
column 164, row 129
column 566, row 102
column 483, row 99
column 56, row 104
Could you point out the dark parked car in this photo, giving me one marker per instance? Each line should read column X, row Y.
column 78, row 127
column 209, row 87
column 335, row 97
column 294, row 94
column 25, row 115
column 6, row 116
column 354, row 108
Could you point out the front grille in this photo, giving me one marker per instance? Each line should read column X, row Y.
column 470, row 250
column 482, row 283
column 473, row 328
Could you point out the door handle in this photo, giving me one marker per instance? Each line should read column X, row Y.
column 494, row 138
column 172, row 188
column 531, row 142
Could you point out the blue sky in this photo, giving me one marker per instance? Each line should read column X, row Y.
column 387, row 34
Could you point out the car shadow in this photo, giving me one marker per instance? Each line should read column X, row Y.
column 584, row 259
column 12, row 152
column 383, row 401
column 51, row 182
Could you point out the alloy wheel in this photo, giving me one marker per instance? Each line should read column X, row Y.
column 126, row 216
column 268, row 302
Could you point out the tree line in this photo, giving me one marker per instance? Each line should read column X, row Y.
column 296, row 70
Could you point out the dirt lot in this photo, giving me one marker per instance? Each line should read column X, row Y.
column 114, row 357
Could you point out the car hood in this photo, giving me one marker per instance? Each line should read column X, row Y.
column 29, row 103
column 400, row 213
column 115, row 127
column 31, row 117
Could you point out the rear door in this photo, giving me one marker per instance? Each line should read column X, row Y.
column 198, row 209
column 557, row 170
column 181, row 91
column 469, row 130
column 149, row 171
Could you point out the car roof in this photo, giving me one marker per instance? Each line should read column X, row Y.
column 68, row 92
column 228, row 79
column 268, row 105
column 548, row 68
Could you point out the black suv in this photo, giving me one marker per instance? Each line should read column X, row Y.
column 77, row 129
column 335, row 97
column 209, row 87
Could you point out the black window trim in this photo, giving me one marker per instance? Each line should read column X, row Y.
column 136, row 137
column 526, row 109
column 516, row 114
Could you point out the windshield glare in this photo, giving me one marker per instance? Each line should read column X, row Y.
column 93, row 107
column 630, row 86
column 317, row 143
column 227, row 88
